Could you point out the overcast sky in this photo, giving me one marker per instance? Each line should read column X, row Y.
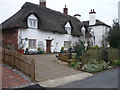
column 106, row 10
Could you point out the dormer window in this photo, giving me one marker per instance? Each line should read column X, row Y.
column 32, row 21
column 68, row 27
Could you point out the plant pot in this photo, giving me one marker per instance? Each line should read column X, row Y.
column 21, row 51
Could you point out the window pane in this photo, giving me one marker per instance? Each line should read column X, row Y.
column 32, row 43
column 67, row 44
column 32, row 23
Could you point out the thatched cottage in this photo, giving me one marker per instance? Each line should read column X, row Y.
column 36, row 26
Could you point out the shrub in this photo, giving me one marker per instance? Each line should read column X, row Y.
column 115, row 62
column 96, row 47
column 96, row 66
column 75, row 65
column 104, row 54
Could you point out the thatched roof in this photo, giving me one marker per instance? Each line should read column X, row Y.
column 49, row 20
column 98, row 22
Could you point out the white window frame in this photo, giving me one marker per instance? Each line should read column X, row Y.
column 67, row 44
column 32, row 21
column 33, row 44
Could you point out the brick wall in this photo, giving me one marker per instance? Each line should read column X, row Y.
column 10, row 38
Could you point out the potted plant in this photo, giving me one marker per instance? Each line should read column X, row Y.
column 62, row 50
column 39, row 50
column 27, row 52
column 21, row 46
column 21, row 50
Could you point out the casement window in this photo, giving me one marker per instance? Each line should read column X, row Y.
column 68, row 27
column 32, row 21
column 32, row 43
column 67, row 44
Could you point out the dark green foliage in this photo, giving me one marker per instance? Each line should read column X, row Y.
column 75, row 65
column 114, row 35
column 115, row 62
column 79, row 49
column 104, row 54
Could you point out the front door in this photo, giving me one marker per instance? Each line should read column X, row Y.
column 48, row 46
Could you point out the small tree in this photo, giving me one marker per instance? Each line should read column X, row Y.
column 79, row 49
column 114, row 35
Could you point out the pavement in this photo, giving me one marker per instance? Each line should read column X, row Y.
column 64, row 80
column 11, row 78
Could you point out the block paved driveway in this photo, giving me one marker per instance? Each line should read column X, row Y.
column 11, row 78
column 47, row 69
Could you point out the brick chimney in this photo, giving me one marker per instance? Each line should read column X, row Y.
column 43, row 3
column 92, row 17
column 65, row 10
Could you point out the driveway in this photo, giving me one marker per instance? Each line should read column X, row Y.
column 47, row 69
column 107, row 79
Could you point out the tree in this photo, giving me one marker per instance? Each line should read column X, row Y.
column 114, row 35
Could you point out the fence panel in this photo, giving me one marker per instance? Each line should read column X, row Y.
column 20, row 62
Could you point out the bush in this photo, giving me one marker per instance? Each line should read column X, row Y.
column 115, row 62
column 96, row 66
column 104, row 54
column 75, row 65
column 96, row 47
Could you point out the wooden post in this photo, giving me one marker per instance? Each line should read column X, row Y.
column 13, row 63
column 33, row 70
column 3, row 55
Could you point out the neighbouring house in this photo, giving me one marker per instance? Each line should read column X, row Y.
column 98, row 29
column 36, row 26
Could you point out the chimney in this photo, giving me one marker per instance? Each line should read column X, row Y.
column 92, row 17
column 78, row 16
column 43, row 3
column 65, row 10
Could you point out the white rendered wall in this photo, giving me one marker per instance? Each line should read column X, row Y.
column 99, row 31
column 39, row 35
column 92, row 19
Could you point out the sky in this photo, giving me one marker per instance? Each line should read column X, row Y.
column 106, row 10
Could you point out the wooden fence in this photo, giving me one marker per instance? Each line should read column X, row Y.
column 20, row 62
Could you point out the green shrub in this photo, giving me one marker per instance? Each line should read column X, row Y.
column 91, row 68
column 96, row 66
column 115, row 62
column 75, row 65
column 96, row 47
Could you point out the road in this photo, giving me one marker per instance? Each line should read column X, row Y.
column 106, row 79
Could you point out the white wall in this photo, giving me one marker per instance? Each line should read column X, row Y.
column 39, row 35
column 92, row 18
column 99, row 31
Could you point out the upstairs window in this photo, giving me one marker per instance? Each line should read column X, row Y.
column 32, row 21
column 68, row 28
